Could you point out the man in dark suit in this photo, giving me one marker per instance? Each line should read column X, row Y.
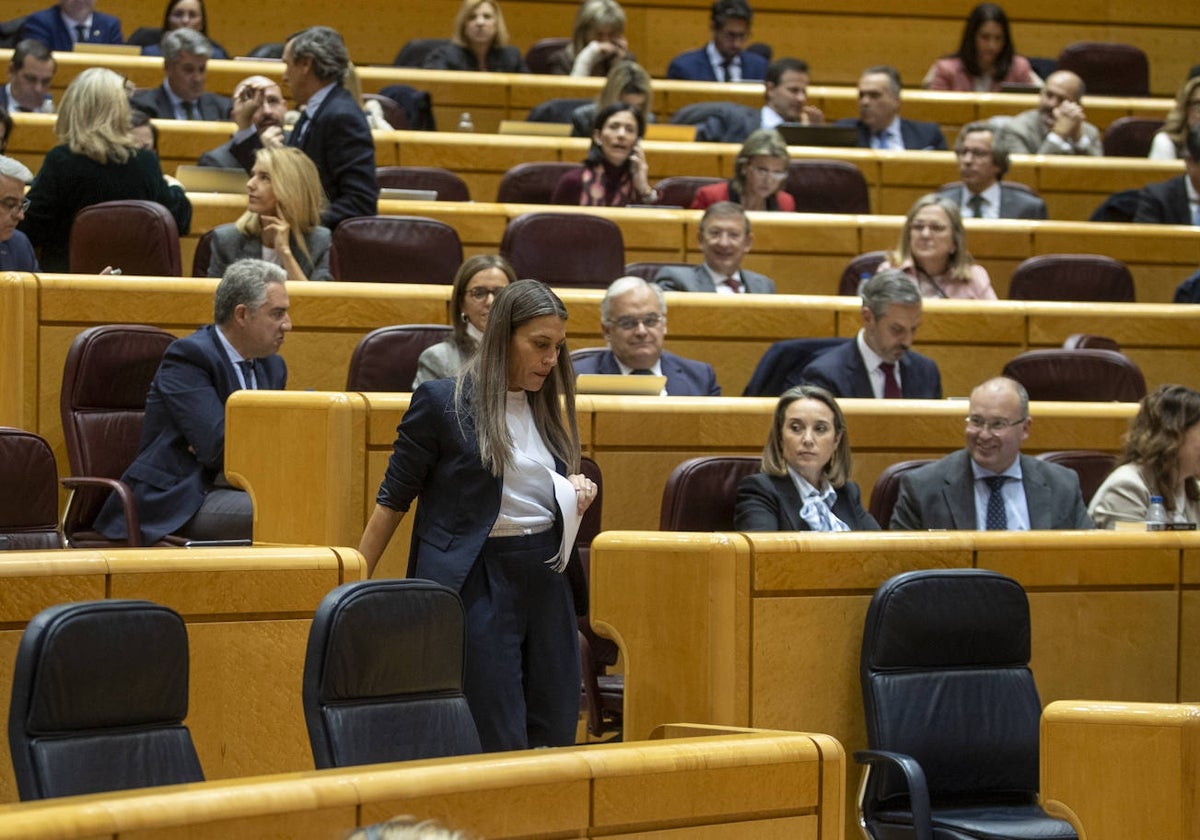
column 725, row 238
column 981, row 165
column 724, row 58
column 879, row 123
column 880, row 363
column 990, row 485
column 178, row 480
column 16, row 252
column 71, row 21
column 30, row 75
column 258, row 109
column 181, row 96
column 1177, row 201
column 633, row 316
column 332, row 129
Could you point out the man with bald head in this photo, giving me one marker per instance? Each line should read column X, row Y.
column 258, row 110
column 1057, row 126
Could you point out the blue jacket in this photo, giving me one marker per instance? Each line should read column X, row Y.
column 842, row 372
column 693, row 65
column 916, row 135
column 47, row 26
column 685, row 378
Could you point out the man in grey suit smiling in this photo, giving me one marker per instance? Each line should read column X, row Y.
column 725, row 238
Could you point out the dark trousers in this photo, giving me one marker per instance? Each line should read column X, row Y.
column 522, row 658
column 226, row 514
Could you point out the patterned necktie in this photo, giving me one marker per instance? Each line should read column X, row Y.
column 80, row 33
column 891, row 388
column 997, row 519
column 247, row 366
column 975, row 202
column 733, row 284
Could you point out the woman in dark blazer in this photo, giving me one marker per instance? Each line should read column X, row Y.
column 805, row 480
column 480, row 42
column 490, row 454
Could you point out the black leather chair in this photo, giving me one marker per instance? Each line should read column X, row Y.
column 395, row 249
column 952, row 711
column 887, row 489
column 701, row 493
column 1091, row 277
column 1130, row 136
column 99, row 695
column 449, row 187
column 566, row 250
column 827, row 186
column 1091, row 466
column 28, row 492
column 859, row 270
column 680, row 190
column 780, row 367
column 386, row 359
column 1108, row 69
column 532, row 183
column 1078, row 375
column 139, row 237
column 537, row 57
column 383, row 675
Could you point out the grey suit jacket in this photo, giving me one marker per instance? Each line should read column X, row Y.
column 1014, row 203
column 941, row 496
column 229, row 246
column 675, row 279
column 221, row 156
column 156, row 104
column 1025, row 134
column 439, row 361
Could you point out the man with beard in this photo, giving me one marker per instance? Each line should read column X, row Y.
column 1057, row 126
column 258, row 110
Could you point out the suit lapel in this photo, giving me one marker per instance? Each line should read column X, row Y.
column 704, row 282
column 959, row 493
column 861, row 382
column 608, row 363
column 789, row 500
column 1038, row 497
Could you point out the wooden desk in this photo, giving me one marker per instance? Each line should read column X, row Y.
column 247, row 612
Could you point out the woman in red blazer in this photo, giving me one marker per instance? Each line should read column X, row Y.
column 759, row 174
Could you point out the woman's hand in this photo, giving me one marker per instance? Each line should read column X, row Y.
column 639, row 171
column 585, row 491
column 276, row 233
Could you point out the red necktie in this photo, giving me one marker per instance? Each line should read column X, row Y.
column 733, row 284
column 891, row 388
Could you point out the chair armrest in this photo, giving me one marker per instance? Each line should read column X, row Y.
column 132, row 527
column 914, row 776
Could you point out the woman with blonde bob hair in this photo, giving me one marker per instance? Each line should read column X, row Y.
column 97, row 160
column 490, row 455
column 479, row 42
column 282, row 222
column 1161, row 458
column 759, row 173
column 933, row 251
column 1171, row 140
column 805, row 481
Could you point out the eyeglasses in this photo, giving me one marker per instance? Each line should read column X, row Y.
column 993, row 426
column 12, row 205
column 629, row 323
column 482, row 293
column 763, row 172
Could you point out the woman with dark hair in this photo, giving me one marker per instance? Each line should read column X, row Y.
column 479, row 42
column 478, row 281
column 805, row 480
column 614, row 173
column 759, row 173
column 1161, row 458
column 986, row 57
column 933, row 251
column 181, row 14
column 493, row 456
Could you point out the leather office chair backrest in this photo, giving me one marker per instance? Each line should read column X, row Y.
column 887, row 489
column 649, row 270
column 555, row 110
column 859, row 270
column 1090, row 277
column 395, row 249
column 383, row 675
column 449, row 186
column 537, row 57
column 1130, row 136
column 28, row 492
column 946, row 682
column 416, row 50
column 572, row 250
column 203, row 255
column 1108, row 69
column 827, row 186
column 99, row 695
column 781, row 366
column 105, row 381
column 139, row 237
column 532, row 183
column 1078, row 375
column 680, row 190
column 386, row 359
column 1091, row 466
column 701, row 493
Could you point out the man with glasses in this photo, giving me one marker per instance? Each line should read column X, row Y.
column 1177, row 201
column 725, row 239
column 16, row 252
column 29, row 78
column 633, row 316
column 990, row 485
column 724, row 58
column 981, row 165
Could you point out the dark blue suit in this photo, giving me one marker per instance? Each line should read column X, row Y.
column 47, row 26
column 694, row 65
column 183, row 435
column 338, row 140
column 772, row 503
column 156, row 104
column 16, row 254
column 685, row 378
column 914, row 134
column 522, row 657
column 842, row 372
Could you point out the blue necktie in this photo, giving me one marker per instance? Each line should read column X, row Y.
column 247, row 366
column 997, row 519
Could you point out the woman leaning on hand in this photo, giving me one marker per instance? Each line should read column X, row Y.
column 484, row 453
column 614, row 173
column 1161, row 458
column 805, row 480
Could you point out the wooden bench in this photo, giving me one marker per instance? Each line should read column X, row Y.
column 697, row 781
column 247, row 612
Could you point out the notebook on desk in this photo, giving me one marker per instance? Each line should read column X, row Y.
column 540, row 129
column 798, row 134
column 615, row 383
column 402, row 194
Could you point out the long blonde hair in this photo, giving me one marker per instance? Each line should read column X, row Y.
column 93, row 119
column 460, row 23
column 299, row 198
